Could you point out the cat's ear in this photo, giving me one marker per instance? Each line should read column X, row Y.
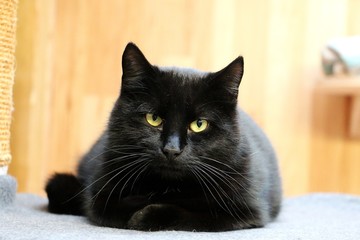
column 134, row 65
column 228, row 79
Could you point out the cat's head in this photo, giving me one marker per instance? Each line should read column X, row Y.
column 175, row 118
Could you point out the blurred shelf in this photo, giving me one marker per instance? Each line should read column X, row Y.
column 342, row 85
column 347, row 86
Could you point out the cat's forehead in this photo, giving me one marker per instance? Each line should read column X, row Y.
column 178, row 87
column 183, row 72
column 179, row 84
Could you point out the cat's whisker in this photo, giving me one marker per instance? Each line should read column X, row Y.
column 233, row 170
column 90, row 185
column 139, row 170
column 215, row 185
column 129, row 172
column 133, row 147
column 223, row 177
column 202, row 184
column 128, row 147
column 139, row 174
column 118, row 148
column 222, row 204
column 103, row 164
column 98, row 155
column 124, row 168
column 122, row 158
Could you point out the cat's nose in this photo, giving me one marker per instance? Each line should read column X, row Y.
column 172, row 148
column 171, row 153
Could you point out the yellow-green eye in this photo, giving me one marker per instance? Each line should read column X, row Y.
column 153, row 119
column 199, row 125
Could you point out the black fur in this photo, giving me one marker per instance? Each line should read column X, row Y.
column 62, row 191
column 169, row 177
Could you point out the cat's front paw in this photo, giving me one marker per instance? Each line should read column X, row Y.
column 154, row 217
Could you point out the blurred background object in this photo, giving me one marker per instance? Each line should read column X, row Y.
column 68, row 76
column 342, row 56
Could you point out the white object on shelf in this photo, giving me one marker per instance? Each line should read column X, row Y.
column 342, row 55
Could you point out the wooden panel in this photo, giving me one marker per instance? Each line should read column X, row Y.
column 30, row 128
column 354, row 130
column 327, row 168
column 68, row 76
column 348, row 87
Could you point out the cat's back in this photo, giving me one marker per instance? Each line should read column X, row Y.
column 253, row 134
column 263, row 162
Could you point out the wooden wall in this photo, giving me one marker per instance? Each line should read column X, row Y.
column 68, row 76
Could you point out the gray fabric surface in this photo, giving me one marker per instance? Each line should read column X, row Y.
column 315, row 216
column 8, row 187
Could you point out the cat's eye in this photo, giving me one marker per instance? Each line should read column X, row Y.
column 153, row 119
column 199, row 125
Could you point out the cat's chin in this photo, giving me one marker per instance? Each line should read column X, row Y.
column 169, row 170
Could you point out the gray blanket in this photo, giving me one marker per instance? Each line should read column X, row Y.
column 314, row 216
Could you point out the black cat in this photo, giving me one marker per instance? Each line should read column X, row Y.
column 177, row 154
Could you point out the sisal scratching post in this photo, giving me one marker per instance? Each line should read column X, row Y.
column 8, row 10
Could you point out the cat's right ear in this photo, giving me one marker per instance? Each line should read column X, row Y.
column 134, row 65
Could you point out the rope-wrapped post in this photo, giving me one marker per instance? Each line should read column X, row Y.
column 8, row 10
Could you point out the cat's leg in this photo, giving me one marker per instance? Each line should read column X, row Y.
column 157, row 217
column 111, row 211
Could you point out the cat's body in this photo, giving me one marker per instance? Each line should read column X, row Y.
column 177, row 155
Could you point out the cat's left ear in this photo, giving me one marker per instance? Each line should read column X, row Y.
column 229, row 78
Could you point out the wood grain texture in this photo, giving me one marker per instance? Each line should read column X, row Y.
column 355, row 117
column 68, row 76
